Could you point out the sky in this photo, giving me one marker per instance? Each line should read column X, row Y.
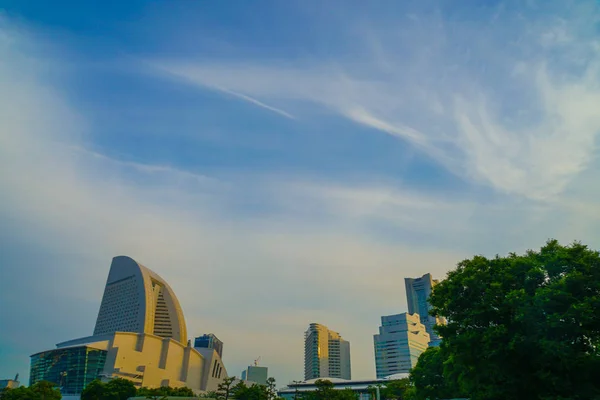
column 284, row 162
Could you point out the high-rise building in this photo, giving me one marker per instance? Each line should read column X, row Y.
column 256, row 374
column 401, row 340
column 209, row 341
column 418, row 291
column 138, row 300
column 326, row 354
column 140, row 335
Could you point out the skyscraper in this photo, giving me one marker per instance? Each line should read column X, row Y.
column 209, row 341
column 137, row 300
column 326, row 354
column 401, row 340
column 418, row 291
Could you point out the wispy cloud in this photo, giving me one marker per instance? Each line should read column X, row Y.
column 256, row 102
column 190, row 76
column 501, row 118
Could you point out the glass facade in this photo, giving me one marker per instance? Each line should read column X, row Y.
column 71, row 369
column 209, row 341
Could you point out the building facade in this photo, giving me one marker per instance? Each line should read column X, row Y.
column 9, row 383
column 140, row 335
column 362, row 388
column 418, row 291
column 209, row 341
column 400, row 341
column 137, row 299
column 256, row 374
column 326, row 354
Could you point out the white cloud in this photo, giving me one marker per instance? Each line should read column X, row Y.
column 527, row 133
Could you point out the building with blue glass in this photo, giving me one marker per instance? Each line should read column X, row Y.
column 400, row 341
column 209, row 341
column 418, row 291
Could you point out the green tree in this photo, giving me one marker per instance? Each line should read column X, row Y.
column 396, row 389
column 523, row 326
column 271, row 389
column 120, row 389
column 20, row 393
column 225, row 389
column 182, row 392
column 324, row 391
column 95, row 390
column 254, row 392
column 45, row 390
column 345, row 394
column 160, row 393
column 428, row 377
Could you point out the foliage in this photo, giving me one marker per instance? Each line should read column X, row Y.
column 164, row 391
column 325, row 391
column 120, row 389
column 123, row 389
column 225, row 389
column 398, row 389
column 428, row 377
column 95, row 390
column 153, row 393
column 42, row 390
column 20, row 393
column 345, row 394
column 271, row 389
column 254, row 392
column 523, row 326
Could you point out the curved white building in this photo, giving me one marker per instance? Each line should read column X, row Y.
column 137, row 299
column 140, row 335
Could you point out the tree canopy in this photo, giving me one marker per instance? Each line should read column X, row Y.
column 123, row 389
column 325, row 391
column 428, row 377
column 40, row 391
column 520, row 327
column 115, row 389
column 397, row 389
column 225, row 389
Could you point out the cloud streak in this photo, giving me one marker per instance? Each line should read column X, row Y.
column 499, row 118
column 256, row 102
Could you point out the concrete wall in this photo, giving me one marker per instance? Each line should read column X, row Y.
column 152, row 361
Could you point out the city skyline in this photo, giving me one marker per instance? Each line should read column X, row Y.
column 284, row 162
column 140, row 335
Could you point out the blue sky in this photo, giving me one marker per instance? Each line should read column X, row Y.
column 281, row 163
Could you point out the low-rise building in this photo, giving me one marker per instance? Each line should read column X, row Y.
column 362, row 387
column 9, row 383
